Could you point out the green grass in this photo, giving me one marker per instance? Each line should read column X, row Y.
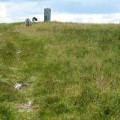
column 72, row 71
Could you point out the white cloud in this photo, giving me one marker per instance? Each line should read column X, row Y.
column 2, row 10
column 3, row 14
column 87, row 18
column 15, row 12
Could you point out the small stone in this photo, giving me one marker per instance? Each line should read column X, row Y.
column 18, row 86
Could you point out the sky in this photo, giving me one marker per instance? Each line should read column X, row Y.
column 81, row 11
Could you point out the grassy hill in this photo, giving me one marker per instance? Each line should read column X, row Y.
column 70, row 71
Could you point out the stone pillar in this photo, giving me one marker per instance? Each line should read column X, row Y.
column 47, row 15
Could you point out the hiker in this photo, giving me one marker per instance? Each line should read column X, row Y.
column 28, row 22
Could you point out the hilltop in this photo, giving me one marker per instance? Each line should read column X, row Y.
column 68, row 71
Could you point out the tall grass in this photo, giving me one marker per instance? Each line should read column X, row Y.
column 71, row 71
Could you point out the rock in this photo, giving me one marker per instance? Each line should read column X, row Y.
column 19, row 85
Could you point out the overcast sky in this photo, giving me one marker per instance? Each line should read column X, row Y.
column 82, row 11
